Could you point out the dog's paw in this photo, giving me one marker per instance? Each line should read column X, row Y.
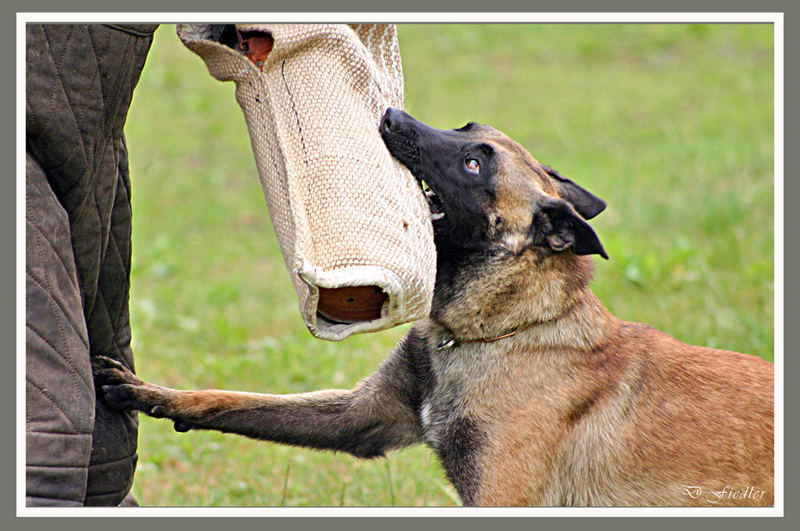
column 120, row 389
column 121, row 396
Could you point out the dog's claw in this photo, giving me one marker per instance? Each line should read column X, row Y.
column 105, row 364
column 111, row 372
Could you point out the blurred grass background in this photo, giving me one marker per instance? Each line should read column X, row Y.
column 671, row 124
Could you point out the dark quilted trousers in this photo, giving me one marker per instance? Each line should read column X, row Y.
column 79, row 83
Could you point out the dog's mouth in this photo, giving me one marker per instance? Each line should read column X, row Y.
column 435, row 203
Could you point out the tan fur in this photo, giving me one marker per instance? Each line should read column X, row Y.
column 654, row 418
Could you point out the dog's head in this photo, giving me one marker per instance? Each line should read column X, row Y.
column 486, row 192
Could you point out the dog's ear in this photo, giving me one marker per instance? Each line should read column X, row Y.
column 557, row 225
column 586, row 203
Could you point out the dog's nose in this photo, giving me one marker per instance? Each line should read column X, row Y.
column 391, row 120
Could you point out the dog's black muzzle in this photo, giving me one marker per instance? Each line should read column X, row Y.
column 436, row 157
column 418, row 147
column 400, row 134
column 417, row 144
column 426, row 152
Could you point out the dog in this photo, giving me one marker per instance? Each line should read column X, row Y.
column 528, row 390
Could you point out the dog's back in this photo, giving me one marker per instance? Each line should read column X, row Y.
column 681, row 425
column 702, row 429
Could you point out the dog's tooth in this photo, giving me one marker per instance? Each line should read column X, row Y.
column 436, row 216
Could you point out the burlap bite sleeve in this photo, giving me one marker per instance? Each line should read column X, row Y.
column 352, row 222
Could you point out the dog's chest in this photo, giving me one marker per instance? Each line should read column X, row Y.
column 446, row 399
column 452, row 389
column 448, row 424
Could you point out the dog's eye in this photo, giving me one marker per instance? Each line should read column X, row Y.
column 472, row 166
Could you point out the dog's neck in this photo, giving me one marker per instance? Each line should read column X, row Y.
column 486, row 299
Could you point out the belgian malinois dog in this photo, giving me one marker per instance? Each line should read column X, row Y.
column 529, row 391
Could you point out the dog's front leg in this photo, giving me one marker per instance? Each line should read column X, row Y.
column 366, row 421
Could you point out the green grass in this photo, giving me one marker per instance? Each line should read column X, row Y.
column 671, row 124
